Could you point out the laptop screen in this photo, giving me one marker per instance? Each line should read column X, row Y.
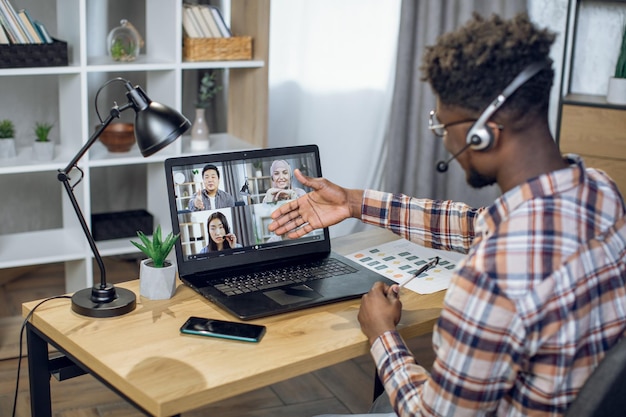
column 221, row 203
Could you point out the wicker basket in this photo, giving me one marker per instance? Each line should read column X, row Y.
column 217, row 49
column 33, row 55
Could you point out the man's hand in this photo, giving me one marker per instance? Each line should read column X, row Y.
column 326, row 205
column 380, row 310
column 197, row 202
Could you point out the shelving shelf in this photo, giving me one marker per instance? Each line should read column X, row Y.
column 166, row 78
column 589, row 125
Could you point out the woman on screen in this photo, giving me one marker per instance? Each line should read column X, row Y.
column 280, row 171
column 220, row 237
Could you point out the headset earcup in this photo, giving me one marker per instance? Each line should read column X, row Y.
column 480, row 138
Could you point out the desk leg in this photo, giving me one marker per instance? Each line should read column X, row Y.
column 38, row 374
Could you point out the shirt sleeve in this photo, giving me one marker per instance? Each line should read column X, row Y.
column 436, row 224
column 477, row 341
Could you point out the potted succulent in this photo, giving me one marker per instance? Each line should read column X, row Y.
column 7, row 139
column 200, row 130
column 157, row 276
column 617, row 84
column 43, row 147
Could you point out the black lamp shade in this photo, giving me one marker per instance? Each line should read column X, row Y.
column 157, row 126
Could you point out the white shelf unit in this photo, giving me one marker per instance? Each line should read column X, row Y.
column 164, row 76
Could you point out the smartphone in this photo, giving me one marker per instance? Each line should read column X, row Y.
column 201, row 326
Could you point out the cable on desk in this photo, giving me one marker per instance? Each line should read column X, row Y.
column 19, row 359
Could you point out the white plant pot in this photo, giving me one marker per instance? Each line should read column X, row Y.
column 43, row 151
column 616, row 93
column 157, row 283
column 7, row 148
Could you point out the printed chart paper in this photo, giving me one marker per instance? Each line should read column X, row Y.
column 401, row 258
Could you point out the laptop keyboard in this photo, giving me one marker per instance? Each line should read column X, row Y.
column 292, row 274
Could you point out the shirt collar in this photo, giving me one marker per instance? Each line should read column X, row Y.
column 544, row 185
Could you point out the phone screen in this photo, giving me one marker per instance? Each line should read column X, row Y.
column 224, row 329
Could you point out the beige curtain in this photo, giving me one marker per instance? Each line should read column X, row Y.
column 412, row 151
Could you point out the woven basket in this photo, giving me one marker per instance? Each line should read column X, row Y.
column 217, row 49
column 33, row 55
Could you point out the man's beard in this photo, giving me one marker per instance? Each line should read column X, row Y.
column 478, row 180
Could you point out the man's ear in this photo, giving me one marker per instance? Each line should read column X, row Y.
column 496, row 131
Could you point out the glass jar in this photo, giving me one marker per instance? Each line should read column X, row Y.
column 124, row 42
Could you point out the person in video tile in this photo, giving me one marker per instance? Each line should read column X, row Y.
column 220, row 237
column 280, row 172
column 210, row 197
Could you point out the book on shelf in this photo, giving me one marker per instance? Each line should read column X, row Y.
column 12, row 22
column 30, row 28
column 203, row 26
column 203, row 21
column 206, row 14
column 5, row 30
column 20, row 28
column 221, row 23
column 4, row 39
column 43, row 31
column 190, row 26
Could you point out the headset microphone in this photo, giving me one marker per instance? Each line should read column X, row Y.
column 442, row 166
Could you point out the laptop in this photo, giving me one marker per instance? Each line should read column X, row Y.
column 226, row 252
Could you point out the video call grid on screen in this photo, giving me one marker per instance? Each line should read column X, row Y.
column 247, row 217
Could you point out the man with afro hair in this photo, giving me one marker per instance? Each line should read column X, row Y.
column 540, row 297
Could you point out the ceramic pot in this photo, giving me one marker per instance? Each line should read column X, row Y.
column 616, row 93
column 157, row 283
column 118, row 137
column 200, row 132
column 7, row 148
column 43, row 151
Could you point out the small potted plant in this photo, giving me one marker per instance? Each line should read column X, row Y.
column 617, row 84
column 7, row 139
column 43, row 148
column 200, row 130
column 157, row 276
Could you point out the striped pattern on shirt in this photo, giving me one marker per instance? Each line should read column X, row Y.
column 531, row 310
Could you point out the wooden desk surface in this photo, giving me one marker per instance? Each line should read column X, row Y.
column 143, row 354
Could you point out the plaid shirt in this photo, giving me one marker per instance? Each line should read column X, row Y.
column 530, row 311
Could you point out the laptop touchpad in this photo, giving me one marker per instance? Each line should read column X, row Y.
column 293, row 295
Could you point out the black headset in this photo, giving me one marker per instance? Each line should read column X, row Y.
column 480, row 137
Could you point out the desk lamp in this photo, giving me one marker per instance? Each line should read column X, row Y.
column 156, row 126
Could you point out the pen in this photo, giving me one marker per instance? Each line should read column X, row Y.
column 425, row 268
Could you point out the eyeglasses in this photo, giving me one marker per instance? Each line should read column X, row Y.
column 438, row 128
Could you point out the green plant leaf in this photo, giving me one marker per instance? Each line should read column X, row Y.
column 156, row 249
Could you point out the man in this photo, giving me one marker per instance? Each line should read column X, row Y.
column 540, row 297
column 211, row 197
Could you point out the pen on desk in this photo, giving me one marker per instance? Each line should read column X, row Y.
column 423, row 269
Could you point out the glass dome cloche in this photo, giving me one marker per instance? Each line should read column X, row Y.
column 124, row 42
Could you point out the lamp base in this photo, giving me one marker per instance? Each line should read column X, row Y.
column 122, row 301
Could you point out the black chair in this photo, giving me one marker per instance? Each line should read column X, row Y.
column 604, row 392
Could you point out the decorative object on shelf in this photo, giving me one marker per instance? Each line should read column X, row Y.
column 43, row 147
column 197, row 176
column 157, row 276
column 156, row 126
column 124, row 42
column 7, row 139
column 200, row 129
column 118, row 137
column 200, row 132
column 616, row 93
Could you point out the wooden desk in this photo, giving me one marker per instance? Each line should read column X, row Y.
column 143, row 357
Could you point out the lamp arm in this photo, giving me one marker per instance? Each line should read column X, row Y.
column 63, row 176
column 114, row 114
